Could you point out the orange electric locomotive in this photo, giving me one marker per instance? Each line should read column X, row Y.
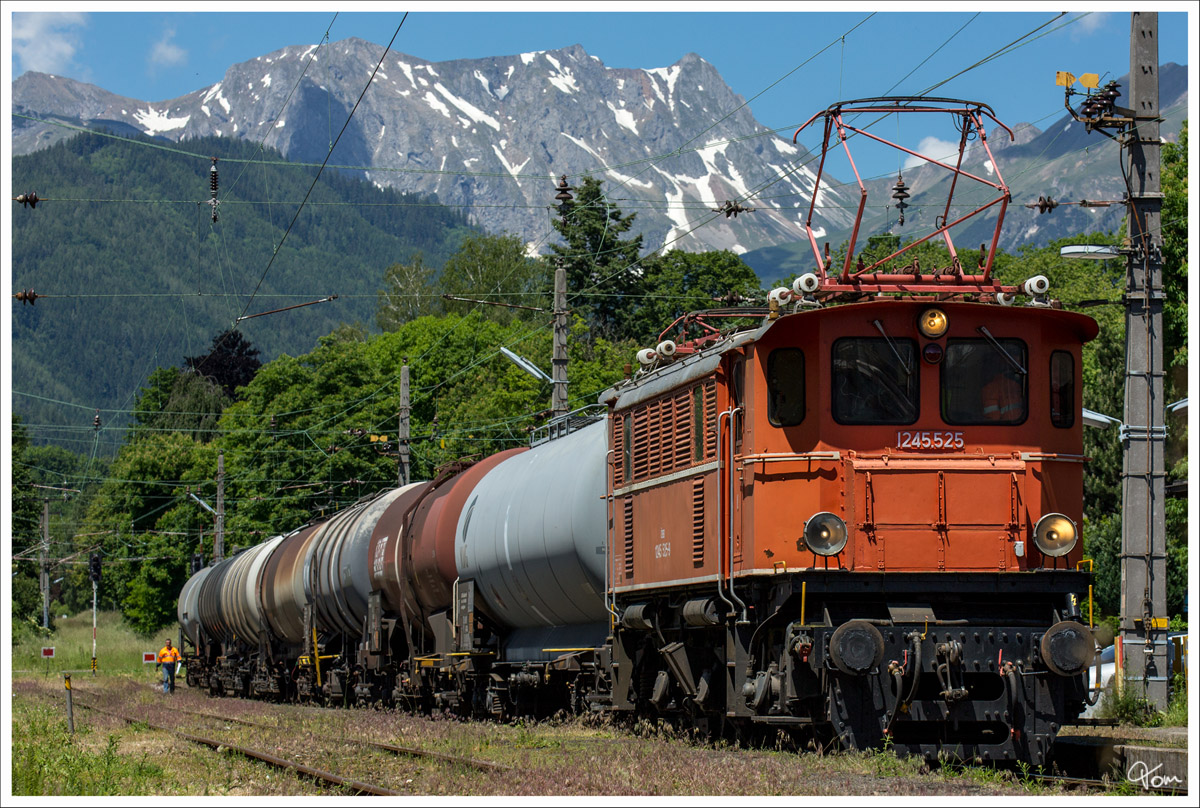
column 863, row 515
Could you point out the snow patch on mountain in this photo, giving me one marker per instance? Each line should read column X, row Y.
column 154, row 121
column 473, row 112
column 624, row 117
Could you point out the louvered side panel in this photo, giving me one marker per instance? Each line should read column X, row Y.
column 657, row 426
column 710, row 420
column 698, row 521
column 681, row 451
column 641, row 442
column 618, row 455
column 628, row 556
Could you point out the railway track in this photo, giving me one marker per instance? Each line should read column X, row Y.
column 356, row 786
column 410, row 751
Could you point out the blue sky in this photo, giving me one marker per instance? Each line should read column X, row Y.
column 787, row 60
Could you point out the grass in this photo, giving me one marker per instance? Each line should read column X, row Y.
column 48, row 760
column 1132, row 707
column 118, row 647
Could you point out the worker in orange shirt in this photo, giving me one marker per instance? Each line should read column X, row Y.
column 1004, row 397
column 168, row 658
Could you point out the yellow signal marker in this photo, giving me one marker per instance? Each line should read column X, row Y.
column 1064, row 79
column 1090, row 80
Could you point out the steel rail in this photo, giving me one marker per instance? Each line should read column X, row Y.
column 411, row 751
column 357, row 785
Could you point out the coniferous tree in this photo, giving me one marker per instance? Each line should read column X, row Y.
column 231, row 363
column 603, row 276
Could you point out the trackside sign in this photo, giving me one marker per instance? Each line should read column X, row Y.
column 150, row 657
column 48, row 653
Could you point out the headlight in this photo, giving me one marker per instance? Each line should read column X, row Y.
column 933, row 323
column 1055, row 535
column 825, row 534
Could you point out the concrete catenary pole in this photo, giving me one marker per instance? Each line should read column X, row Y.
column 1143, row 543
column 559, row 364
column 219, row 537
column 405, row 425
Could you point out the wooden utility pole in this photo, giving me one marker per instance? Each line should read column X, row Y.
column 219, row 537
column 402, row 437
column 560, row 406
column 1143, row 522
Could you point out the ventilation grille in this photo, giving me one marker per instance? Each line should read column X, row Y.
column 618, row 452
column 710, row 420
column 698, row 521
column 663, row 434
column 628, row 537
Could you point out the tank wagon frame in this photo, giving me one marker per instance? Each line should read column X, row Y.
column 854, row 514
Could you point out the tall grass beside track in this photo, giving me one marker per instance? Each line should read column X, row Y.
column 118, row 647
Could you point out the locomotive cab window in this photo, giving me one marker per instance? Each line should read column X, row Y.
column 985, row 382
column 1062, row 389
column 785, row 387
column 875, row 381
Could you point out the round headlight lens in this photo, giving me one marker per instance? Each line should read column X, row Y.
column 1055, row 535
column 825, row 534
column 933, row 323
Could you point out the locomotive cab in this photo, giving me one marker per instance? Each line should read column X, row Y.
column 938, row 451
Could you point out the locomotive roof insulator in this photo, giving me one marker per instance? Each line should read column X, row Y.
column 1037, row 286
column 646, row 357
column 806, row 284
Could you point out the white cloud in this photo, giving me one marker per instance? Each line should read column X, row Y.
column 1089, row 25
column 166, row 53
column 46, row 41
column 933, row 147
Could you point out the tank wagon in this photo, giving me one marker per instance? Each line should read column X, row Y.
column 855, row 514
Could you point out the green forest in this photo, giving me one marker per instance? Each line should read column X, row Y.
column 131, row 271
column 304, row 435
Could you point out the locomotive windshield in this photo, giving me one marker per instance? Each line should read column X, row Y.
column 875, row 381
column 981, row 385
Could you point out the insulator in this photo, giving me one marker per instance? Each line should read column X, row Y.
column 900, row 193
column 1044, row 204
column 96, row 421
column 27, row 296
column 564, row 194
column 212, row 183
column 28, row 200
column 272, row 423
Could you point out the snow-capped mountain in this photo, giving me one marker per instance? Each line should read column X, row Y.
column 490, row 135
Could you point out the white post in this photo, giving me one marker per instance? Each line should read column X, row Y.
column 94, row 589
